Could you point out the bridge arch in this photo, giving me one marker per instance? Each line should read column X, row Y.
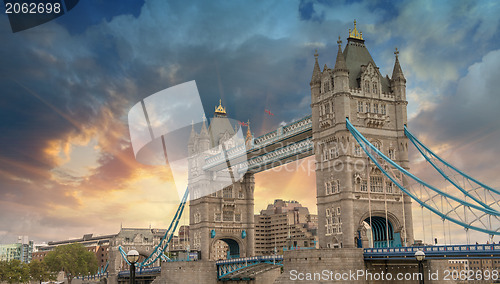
column 235, row 247
column 378, row 233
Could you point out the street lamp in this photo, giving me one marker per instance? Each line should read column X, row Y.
column 132, row 257
column 420, row 256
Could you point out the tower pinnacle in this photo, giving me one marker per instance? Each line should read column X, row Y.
column 397, row 72
column 340, row 64
column 316, row 76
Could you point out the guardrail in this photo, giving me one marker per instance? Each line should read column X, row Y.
column 449, row 251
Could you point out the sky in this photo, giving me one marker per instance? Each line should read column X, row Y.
column 66, row 164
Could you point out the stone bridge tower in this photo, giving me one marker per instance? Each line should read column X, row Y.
column 355, row 201
column 221, row 222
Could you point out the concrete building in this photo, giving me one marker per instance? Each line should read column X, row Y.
column 351, row 191
column 22, row 250
column 99, row 245
column 284, row 224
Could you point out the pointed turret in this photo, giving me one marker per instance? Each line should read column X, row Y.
column 397, row 72
column 398, row 89
column 316, row 76
column 340, row 72
column 340, row 64
column 204, row 141
column 204, row 130
column 192, row 138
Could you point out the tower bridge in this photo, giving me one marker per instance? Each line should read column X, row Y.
column 358, row 121
column 347, row 200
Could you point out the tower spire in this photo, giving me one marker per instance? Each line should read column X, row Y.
column 316, row 76
column 340, row 64
column 204, row 130
column 397, row 72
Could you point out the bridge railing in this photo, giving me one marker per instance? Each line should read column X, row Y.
column 139, row 272
column 436, row 251
column 251, row 259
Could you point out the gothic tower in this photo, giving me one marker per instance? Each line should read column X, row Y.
column 222, row 219
column 357, row 205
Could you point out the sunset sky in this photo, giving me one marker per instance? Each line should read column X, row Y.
column 66, row 163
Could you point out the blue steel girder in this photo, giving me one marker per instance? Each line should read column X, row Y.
column 282, row 139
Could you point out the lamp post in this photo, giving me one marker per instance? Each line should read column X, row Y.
column 132, row 257
column 420, row 256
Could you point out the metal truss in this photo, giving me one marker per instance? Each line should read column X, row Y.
column 446, row 205
column 477, row 191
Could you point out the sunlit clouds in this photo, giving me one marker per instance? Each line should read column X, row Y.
column 67, row 166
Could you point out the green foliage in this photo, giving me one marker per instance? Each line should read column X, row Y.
column 73, row 259
column 14, row 271
column 39, row 271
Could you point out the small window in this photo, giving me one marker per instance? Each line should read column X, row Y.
column 368, row 107
column 360, row 106
column 392, row 154
column 384, row 111
column 217, row 217
column 388, row 187
column 364, row 186
column 357, row 151
column 375, row 88
column 228, row 192
column 227, row 216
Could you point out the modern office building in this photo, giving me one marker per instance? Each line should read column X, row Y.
column 284, row 225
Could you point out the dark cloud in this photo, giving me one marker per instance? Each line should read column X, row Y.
column 308, row 13
column 76, row 78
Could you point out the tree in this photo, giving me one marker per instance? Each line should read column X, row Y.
column 73, row 259
column 14, row 271
column 40, row 271
column 3, row 270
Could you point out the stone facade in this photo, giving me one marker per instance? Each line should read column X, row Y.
column 347, row 183
column 226, row 214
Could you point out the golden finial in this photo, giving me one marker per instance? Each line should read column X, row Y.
column 220, row 109
column 354, row 33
